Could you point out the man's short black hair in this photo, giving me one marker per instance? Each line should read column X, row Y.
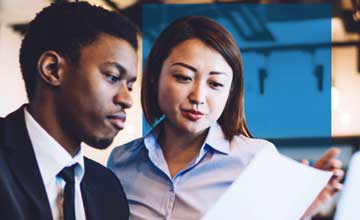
column 66, row 28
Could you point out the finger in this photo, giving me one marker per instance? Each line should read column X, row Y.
column 304, row 161
column 335, row 163
column 338, row 186
column 338, row 175
column 335, row 184
column 328, row 155
column 333, row 188
column 325, row 195
column 331, row 164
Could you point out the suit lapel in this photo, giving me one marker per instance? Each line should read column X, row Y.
column 23, row 163
column 89, row 197
column 90, row 206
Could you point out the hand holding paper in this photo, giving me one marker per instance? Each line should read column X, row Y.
column 271, row 187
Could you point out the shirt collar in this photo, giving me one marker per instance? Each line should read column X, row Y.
column 214, row 139
column 150, row 140
column 50, row 155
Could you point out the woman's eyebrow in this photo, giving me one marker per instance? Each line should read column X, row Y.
column 185, row 65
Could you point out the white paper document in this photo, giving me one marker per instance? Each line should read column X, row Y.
column 272, row 187
column 348, row 207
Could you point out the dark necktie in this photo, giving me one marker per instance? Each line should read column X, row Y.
column 67, row 174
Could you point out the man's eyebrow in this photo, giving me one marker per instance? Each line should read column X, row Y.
column 132, row 79
column 118, row 66
column 122, row 70
column 185, row 65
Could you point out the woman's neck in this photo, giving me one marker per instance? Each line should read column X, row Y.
column 179, row 147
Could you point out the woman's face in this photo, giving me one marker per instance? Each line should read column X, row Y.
column 194, row 85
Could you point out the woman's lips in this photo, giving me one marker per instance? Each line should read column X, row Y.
column 192, row 115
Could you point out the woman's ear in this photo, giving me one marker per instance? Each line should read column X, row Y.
column 51, row 67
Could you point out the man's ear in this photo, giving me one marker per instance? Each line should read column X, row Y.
column 51, row 67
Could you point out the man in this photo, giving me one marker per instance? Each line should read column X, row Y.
column 79, row 63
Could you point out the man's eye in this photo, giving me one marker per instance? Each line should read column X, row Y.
column 112, row 79
column 182, row 78
column 130, row 87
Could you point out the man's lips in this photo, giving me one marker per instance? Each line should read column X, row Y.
column 117, row 120
column 192, row 115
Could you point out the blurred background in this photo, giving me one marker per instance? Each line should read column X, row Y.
column 302, row 67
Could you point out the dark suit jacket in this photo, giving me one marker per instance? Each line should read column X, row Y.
column 22, row 191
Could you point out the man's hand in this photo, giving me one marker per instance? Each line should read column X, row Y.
column 329, row 162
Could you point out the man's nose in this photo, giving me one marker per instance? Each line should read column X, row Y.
column 123, row 96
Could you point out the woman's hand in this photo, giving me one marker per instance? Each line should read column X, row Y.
column 328, row 162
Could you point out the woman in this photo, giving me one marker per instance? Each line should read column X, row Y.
column 193, row 84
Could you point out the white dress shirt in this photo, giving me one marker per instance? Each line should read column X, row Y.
column 52, row 158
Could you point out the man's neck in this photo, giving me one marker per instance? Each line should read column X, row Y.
column 45, row 116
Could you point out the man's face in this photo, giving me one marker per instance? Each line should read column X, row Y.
column 96, row 92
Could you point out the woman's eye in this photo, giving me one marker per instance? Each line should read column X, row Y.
column 216, row 85
column 182, row 78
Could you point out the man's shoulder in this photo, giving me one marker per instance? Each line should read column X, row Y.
column 13, row 125
column 2, row 124
column 2, row 130
column 99, row 176
column 105, row 189
column 95, row 170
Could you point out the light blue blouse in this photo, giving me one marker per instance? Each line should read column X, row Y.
column 153, row 194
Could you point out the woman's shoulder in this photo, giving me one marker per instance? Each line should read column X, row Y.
column 247, row 148
column 253, row 143
column 125, row 151
column 132, row 145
